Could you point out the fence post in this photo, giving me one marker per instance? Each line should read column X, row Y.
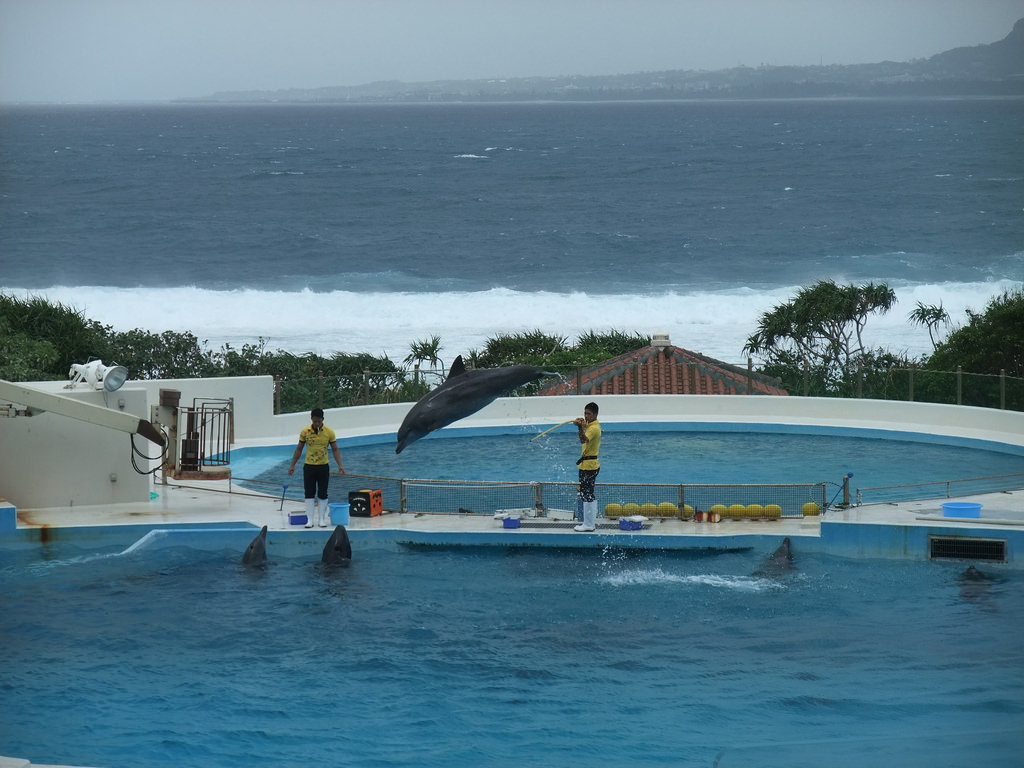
column 1002, row 389
column 277, row 395
column 750, row 375
column 538, row 497
column 959, row 386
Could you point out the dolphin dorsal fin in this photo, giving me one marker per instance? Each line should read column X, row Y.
column 458, row 367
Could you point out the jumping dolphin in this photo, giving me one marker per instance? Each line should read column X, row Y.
column 778, row 563
column 256, row 552
column 337, row 549
column 463, row 393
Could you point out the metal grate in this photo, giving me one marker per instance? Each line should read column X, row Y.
column 966, row 548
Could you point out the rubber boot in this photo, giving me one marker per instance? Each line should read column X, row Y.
column 589, row 517
column 324, row 512
column 310, row 511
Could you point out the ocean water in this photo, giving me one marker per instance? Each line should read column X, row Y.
column 364, row 228
column 469, row 657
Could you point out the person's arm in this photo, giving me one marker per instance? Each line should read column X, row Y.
column 337, row 457
column 581, row 428
column 295, row 457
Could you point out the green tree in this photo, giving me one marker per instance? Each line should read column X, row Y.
column 425, row 351
column 72, row 337
column 821, row 327
column 932, row 317
column 991, row 341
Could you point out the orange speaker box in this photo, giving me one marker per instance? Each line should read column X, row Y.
column 365, row 503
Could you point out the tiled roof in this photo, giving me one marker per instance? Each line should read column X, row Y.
column 664, row 370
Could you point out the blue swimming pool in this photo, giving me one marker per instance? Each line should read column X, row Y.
column 662, row 455
column 459, row 657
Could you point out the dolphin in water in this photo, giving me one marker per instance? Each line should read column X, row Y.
column 974, row 585
column 256, row 552
column 778, row 563
column 338, row 549
column 463, row 393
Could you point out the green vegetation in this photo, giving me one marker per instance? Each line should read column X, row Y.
column 815, row 340
column 813, row 343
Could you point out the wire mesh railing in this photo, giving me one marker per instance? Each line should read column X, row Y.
column 544, row 498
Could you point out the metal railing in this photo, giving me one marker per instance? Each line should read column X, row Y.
column 967, row 486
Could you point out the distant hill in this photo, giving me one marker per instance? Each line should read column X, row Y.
column 995, row 69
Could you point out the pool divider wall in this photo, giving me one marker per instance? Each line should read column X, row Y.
column 840, row 539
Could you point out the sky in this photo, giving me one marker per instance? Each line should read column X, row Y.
column 84, row 51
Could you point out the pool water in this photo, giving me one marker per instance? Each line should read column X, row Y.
column 694, row 457
column 463, row 656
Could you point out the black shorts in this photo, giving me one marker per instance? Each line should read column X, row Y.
column 314, row 480
column 588, row 477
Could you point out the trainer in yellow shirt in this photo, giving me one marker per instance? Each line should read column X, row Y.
column 590, row 436
column 316, row 438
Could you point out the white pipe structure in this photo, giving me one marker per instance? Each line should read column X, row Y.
column 76, row 409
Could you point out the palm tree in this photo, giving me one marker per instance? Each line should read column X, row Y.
column 425, row 350
column 931, row 316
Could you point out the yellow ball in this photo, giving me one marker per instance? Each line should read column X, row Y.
column 648, row 509
column 719, row 508
column 810, row 508
column 687, row 510
column 755, row 510
column 668, row 509
column 773, row 510
column 612, row 510
column 631, row 509
column 737, row 510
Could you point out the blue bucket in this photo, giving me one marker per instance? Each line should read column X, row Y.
column 961, row 509
column 339, row 513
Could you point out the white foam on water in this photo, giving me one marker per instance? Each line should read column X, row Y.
column 658, row 576
column 714, row 323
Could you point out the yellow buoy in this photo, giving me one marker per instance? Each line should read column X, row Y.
column 631, row 508
column 612, row 510
column 667, row 509
column 737, row 510
column 810, row 508
column 648, row 509
column 755, row 510
column 687, row 511
column 718, row 509
column 773, row 510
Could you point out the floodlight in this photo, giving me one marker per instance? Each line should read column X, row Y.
column 98, row 376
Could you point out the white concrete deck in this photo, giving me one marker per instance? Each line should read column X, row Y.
column 216, row 505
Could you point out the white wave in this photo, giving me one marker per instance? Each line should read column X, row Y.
column 715, row 323
column 656, row 576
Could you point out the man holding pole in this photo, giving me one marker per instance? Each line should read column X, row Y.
column 590, row 436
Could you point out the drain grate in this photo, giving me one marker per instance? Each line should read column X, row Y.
column 966, row 548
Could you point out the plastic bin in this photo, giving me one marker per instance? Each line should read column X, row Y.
column 339, row 513
column 961, row 509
